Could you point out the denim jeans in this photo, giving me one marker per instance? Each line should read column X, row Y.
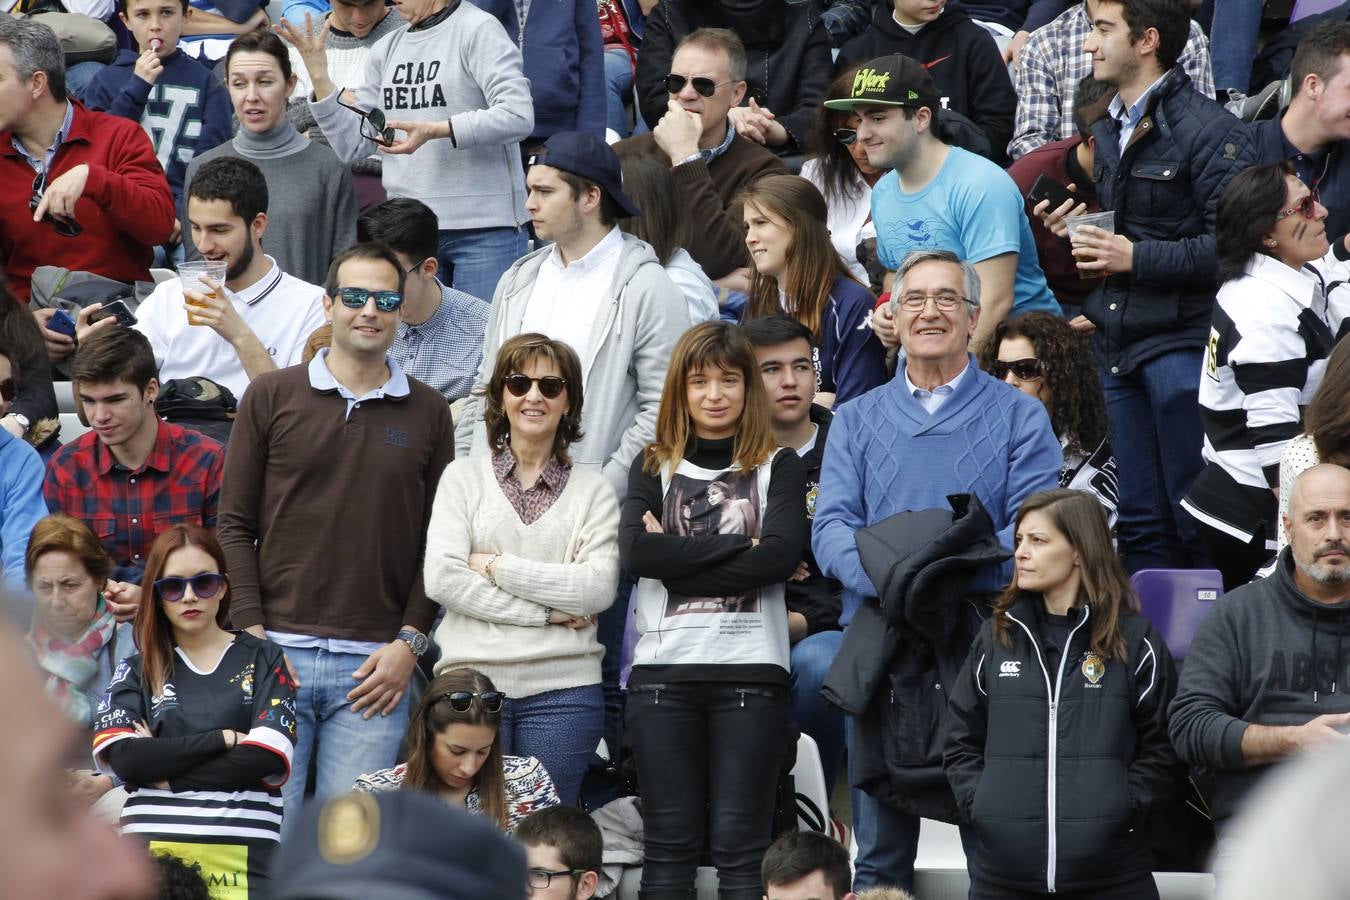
column 79, row 76
column 343, row 745
column 709, row 755
column 1232, row 43
column 558, row 728
column 618, row 90
column 474, row 259
column 811, row 658
column 1156, row 437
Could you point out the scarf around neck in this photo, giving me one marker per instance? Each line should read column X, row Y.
column 72, row 665
column 275, row 143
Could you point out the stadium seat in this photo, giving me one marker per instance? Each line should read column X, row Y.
column 1175, row 600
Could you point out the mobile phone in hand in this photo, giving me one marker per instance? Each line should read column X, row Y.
column 62, row 323
column 119, row 310
column 1047, row 188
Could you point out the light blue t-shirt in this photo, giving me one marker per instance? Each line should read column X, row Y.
column 972, row 208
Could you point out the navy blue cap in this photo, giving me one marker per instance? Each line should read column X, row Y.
column 588, row 156
column 397, row 845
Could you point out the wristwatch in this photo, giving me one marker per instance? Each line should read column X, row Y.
column 22, row 420
column 417, row 641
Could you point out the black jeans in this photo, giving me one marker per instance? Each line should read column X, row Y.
column 709, row 755
column 1141, row 888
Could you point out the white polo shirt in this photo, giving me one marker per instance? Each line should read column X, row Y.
column 281, row 310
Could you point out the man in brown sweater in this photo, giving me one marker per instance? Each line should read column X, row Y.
column 329, row 482
column 711, row 162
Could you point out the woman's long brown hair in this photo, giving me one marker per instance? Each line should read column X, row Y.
column 723, row 345
column 1105, row 586
column 433, row 715
column 154, row 632
column 812, row 261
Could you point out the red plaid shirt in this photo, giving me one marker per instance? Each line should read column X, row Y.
column 179, row 482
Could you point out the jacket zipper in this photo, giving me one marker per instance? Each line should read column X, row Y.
column 1052, row 744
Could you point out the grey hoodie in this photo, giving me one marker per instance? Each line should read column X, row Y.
column 1252, row 663
column 623, row 374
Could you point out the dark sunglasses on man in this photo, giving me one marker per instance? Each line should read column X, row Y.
column 379, row 131
column 706, row 87
column 357, row 298
column 64, row 227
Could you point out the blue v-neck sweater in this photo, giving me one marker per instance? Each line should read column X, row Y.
column 887, row 455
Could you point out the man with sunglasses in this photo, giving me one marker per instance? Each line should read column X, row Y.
column 711, row 160
column 21, row 504
column 329, row 481
column 83, row 189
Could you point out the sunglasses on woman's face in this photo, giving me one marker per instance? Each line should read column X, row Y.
column 8, row 390
column 1307, row 208
column 460, row 701
column 204, row 587
column 551, row 386
column 1028, row 369
column 706, row 87
column 846, row 136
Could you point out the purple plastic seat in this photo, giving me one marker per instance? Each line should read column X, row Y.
column 1175, row 600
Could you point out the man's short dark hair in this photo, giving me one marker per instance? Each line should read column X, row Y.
column 235, row 180
column 366, row 250
column 797, row 854
column 770, row 331
column 610, row 213
column 1089, row 103
column 115, row 354
column 1320, row 52
column 35, row 48
column 404, row 224
column 120, row 7
column 568, row 830
column 1172, row 19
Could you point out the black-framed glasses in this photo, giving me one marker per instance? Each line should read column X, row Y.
column 1307, row 208
column 8, row 390
column 540, row 879
column 460, row 701
column 357, row 298
column 64, row 227
column 846, row 136
column 1029, row 369
column 380, row 132
column 204, row 586
column 551, row 386
column 706, row 87
column 917, row 302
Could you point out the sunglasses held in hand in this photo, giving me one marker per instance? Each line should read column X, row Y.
column 373, row 125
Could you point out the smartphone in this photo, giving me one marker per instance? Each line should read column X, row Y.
column 62, row 323
column 117, row 309
column 1047, row 188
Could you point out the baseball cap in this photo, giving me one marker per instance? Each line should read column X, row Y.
column 588, row 156
column 893, row 80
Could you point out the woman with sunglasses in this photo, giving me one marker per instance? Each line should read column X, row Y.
column 1280, row 308
column 708, row 711
column 455, row 751
column 201, row 723
column 837, row 165
column 1039, row 354
column 797, row 272
column 311, row 202
column 522, row 551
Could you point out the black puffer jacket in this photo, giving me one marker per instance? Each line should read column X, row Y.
column 1057, row 766
column 1165, row 191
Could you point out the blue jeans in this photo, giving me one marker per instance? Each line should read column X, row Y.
column 560, row 729
column 1156, row 436
column 618, row 90
column 810, row 660
column 79, row 76
column 343, row 745
column 473, row 259
column 1232, row 43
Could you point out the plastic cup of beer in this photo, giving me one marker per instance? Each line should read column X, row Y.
column 190, row 275
column 1105, row 220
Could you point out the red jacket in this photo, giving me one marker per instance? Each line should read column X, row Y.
column 126, row 209
column 1061, row 272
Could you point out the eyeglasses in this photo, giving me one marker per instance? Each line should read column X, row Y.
column 918, row 302
column 706, row 87
column 1307, row 208
column 846, row 136
column 8, row 390
column 1029, row 369
column 204, row 587
column 64, row 227
column 356, row 298
column 540, row 879
column 550, row 385
column 380, row 132
column 460, row 701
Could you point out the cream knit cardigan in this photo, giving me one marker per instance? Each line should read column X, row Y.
column 567, row 559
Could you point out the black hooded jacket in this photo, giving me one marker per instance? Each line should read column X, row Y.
column 962, row 58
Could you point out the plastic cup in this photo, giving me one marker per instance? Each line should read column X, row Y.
column 1105, row 220
column 190, row 276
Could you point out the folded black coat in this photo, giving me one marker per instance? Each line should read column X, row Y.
column 901, row 649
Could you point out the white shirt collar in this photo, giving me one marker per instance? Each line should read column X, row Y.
column 598, row 255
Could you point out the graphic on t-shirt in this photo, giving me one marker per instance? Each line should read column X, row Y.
column 727, row 505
